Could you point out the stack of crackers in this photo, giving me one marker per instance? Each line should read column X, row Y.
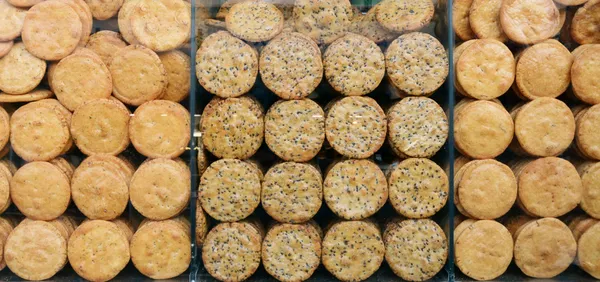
column 538, row 59
column 81, row 108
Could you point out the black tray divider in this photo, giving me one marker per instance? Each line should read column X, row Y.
column 451, row 156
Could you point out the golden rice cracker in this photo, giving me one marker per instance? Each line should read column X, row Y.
column 544, row 127
column 51, row 30
column 353, row 250
column 544, row 70
column 177, row 65
column 124, row 20
column 484, row 17
column 354, row 65
column 5, row 47
column 232, row 251
column 233, row 127
column 11, row 20
column 579, row 225
column 487, row 189
column 324, row 21
column 291, row 252
column 254, row 21
column 405, row 15
column 482, row 140
column 161, row 250
column 587, row 250
column 586, row 135
column 202, row 223
column 417, row 127
column 355, row 189
column 484, row 250
column 99, row 189
column 544, row 248
column 22, row 253
column 418, row 188
column 356, row 126
column 549, row 187
column 590, row 178
column 106, row 43
column 20, row 71
column 486, row 69
column 460, row 19
column 295, row 129
column 38, row 132
column 79, row 78
column 161, row 25
column 229, row 190
column 416, row 249
column 458, row 51
column 529, row 21
column 226, row 66
column 5, row 127
column 160, row 188
column 368, row 26
column 104, row 10
column 65, row 166
column 291, row 66
column 160, row 129
column 584, row 73
column 462, row 226
column 57, row 106
column 101, row 126
column 85, row 16
column 138, row 75
column 457, row 178
column 6, row 227
column 586, row 22
column 292, row 192
column 98, row 250
column 416, row 63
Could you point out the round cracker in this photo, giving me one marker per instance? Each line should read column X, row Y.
column 160, row 129
column 51, row 30
column 355, row 126
column 416, row 63
column 85, row 16
column 416, row 250
column 40, row 190
column 226, row 66
column 5, row 47
column 486, row 69
column 108, row 245
column 38, row 133
column 584, row 28
column 323, row 21
column 160, row 188
column 202, row 222
column 369, row 27
column 355, row 189
column 5, row 199
column 79, row 78
column 549, row 187
column 544, row 248
column 586, row 134
column 292, row 192
column 11, row 20
column 291, row 252
column 103, row 9
column 544, row 127
column 353, row 250
column 20, row 71
column 237, row 183
column 354, row 65
column 177, row 66
column 22, row 254
column 34, row 95
column 418, row 188
column 460, row 19
column 124, row 20
column 529, row 21
column 105, row 43
column 590, row 202
column 65, row 166
column 101, row 126
column 161, row 25
column 254, row 21
column 584, row 73
column 223, row 132
column 417, row 127
column 484, row 18
column 232, row 251
column 99, row 189
column 295, row 130
column 544, row 70
column 138, row 75
column 587, row 251
column 161, row 250
column 484, row 250
column 405, row 15
column 4, row 127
